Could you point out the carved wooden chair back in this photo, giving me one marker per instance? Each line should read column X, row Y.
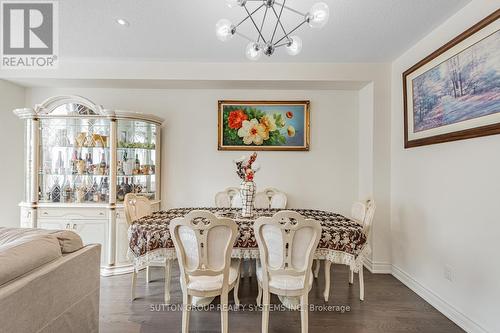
column 287, row 242
column 136, row 206
column 370, row 213
column 203, row 243
column 222, row 200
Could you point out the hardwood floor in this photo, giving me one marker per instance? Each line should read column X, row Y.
column 389, row 306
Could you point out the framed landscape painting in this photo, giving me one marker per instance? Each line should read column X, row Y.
column 263, row 125
column 454, row 93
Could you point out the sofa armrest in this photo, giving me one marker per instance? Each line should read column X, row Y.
column 61, row 296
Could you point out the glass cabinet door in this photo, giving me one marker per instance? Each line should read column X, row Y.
column 74, row 160
column 136, row 159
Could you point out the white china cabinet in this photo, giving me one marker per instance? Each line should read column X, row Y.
column 80, row 161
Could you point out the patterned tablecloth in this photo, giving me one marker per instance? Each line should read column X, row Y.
column 342, row 240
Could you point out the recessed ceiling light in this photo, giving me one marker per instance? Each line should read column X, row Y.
column 122, row 22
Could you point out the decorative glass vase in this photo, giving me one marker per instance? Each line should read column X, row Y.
column 247, row 191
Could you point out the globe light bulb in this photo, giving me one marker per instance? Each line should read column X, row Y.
column 253, row 51
column 295, row 46
column 235, row 3
column 318, row 15
column 223, row 30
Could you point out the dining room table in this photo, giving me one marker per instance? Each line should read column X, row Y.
column 343, row 240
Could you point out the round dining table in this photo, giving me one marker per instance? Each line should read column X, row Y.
column 343, row 240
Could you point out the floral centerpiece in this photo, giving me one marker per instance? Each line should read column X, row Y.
column 245, row 169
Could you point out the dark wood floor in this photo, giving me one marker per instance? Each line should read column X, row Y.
column 389, row 306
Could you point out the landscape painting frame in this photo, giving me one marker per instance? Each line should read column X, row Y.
column 263, row 125
column 453, row 93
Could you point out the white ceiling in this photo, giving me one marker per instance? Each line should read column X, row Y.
column 183, row 30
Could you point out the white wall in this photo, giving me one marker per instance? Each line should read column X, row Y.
column 12, row 139
column 445, row 201
column 325, row 177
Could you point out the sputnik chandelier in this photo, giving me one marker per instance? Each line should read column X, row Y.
column 278, row 37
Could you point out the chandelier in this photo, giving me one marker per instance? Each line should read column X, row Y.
column 316, row 17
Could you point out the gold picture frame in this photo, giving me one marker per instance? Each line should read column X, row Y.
column 263, row 125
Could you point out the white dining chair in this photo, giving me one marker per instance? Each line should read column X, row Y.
column 278, row 200
column 261, row 201
column 222, row 200
column 270, row 198
column 203, row 243
column 362, row 213
column 287, row 242
column 136, row 207
column 229, row 198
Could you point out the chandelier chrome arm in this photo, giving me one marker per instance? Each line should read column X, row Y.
column 280, row 24
column 244, row 36
column 288, row 34
column 290, row 9
column 277, row 22
column 316, row 17
column 248, row 16
column 262, row 24
column 255, row 24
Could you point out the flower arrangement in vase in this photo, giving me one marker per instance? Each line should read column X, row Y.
column 245, row 169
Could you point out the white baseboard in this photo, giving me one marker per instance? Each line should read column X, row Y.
column 436, row 301
column 377, row 267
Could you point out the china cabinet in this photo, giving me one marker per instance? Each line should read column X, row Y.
column 80, row 162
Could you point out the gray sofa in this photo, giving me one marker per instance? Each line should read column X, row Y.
column 49, row 282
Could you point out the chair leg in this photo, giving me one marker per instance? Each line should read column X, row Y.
column 224, row 312
column 326, row 293
column 259, row 295
column 148, row 274
column 186, row 308
column 242, row 268
column 351, row 276
column 361, row 285
column 316, row 268
column 134, row 282
column 265, row 311
column 250, row 267
column 237, row 287
column 304, row 313
column 168, row 271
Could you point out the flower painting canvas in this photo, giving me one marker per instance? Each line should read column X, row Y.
column 455, row 93
column 252, row 125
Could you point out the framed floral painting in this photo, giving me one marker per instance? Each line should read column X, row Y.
column 454, row 93
column 263, row 125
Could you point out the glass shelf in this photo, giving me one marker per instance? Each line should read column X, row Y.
column 76, row 147
column 41, row 173
column 136, row 159
column 74, row 160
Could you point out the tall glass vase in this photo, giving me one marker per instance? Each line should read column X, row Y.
column 247, row 191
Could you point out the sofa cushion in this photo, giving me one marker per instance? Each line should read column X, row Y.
column 68, row 240
column 20, row 256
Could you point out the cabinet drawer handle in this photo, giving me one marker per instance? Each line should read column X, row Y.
column 45, row 213
column 28, row 215
column 74, row 226
column 67, row 226
column 101, row 213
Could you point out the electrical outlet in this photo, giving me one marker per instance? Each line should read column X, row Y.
column 448, row 273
